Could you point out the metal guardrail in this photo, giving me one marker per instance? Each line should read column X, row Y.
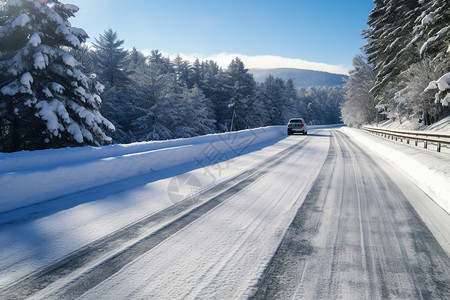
column 417, row 136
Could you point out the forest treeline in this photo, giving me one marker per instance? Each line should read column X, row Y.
column 55, row 91
column 154, row 97
column 403, row 74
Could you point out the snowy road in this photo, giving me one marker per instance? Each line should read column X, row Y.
column 356, row 237
column 346, row 230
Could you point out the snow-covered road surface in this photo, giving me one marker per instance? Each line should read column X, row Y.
column 356, row 237
column 359, row 236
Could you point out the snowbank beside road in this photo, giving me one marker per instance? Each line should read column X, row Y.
column 428, row 169
column 26, row 160
column 31, row 177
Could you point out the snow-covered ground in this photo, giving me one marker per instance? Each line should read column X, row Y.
column 223, row 252
column 441, row 126
column 243, row 232
column 30, row 177
column 73, row 221
column 430, row 170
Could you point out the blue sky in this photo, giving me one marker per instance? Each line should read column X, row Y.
column 322, row 34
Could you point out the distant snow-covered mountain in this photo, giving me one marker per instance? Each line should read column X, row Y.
column 301, row 78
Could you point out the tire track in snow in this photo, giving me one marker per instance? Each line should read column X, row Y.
column 279, row 280
column 198, row 261
column 101, row 259
column 367, row 242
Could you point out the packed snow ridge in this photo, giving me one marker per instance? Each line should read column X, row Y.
column 428, row 169
column 30, row 177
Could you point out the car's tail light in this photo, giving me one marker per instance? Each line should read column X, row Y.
column 303, row 125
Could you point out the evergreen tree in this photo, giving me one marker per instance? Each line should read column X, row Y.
column 85, row 57
column 119, row 106
column 290, row 96
column 388, row 47
column 280, row 101
column 182, row 71
column 433, row 30
column 420, row 102
column 136, row 59
column 320, row 105
column 46, row 100
column 214, row 88
column 241, row 85
column 407, row 41
column 160, row 64
column 121, row 103
column 359, row 106
column 196, row 74
column 110, row 60
column 276, row 99
column 196, row 115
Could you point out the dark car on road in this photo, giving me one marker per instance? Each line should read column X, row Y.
column 297, row 125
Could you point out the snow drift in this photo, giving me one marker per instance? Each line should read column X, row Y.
column 429, row 170
column 31, row 177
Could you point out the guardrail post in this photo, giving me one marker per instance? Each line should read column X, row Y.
column 415, row 142
column 407, row 141
column 439, row 147
column 425, row 144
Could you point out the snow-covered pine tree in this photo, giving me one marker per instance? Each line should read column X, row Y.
column 110, row 60
column 391, row 24
column 196, row 73
column 241, row 85
column 359, row 107
column 45, row 100
column 136, row 59
column 290, row 95
column 213, row 87
column 121, row 102
column 195, row 115
column 84, row 55
column 256, row 115
column 433, row 31
column 160, row 64
column 280, row 101
column 320, row 104
column 153, row 99
column 119, row 107
column 419, row 103
column 182, row 71
column 274, row 100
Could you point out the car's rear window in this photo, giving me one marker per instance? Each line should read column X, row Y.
column 295, row 121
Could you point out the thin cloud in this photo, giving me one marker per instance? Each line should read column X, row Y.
column 267, row 62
